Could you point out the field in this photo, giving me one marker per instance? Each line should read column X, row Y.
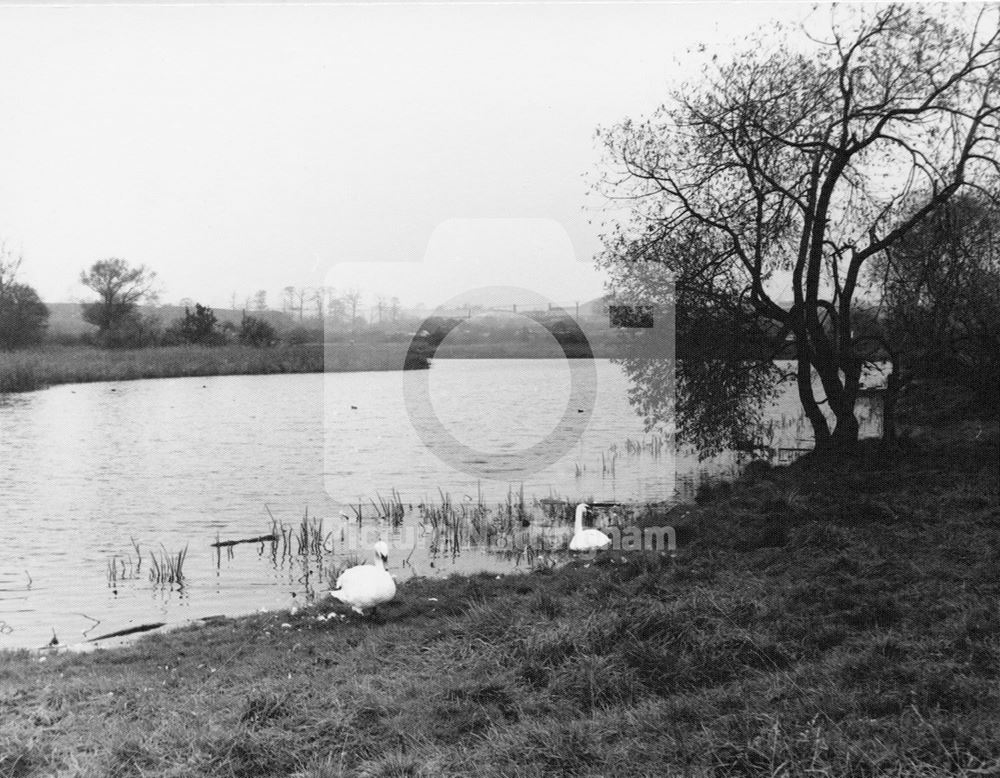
column 22, row 371
column 820, row 619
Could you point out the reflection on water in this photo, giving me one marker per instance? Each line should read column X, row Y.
column 99, row 481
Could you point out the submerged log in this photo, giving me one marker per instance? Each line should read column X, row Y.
column 261, row 539
column 130, row 631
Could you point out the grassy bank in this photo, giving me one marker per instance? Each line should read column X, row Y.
column 822, row 620
column 23, row 371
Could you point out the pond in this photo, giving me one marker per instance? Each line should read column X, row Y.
column 103, row 482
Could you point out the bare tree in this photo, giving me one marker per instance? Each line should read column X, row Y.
column 351, row 298
column 319, row 300
column 260, row 300
column 802, row 163
column 10, row 264
column 301, row 295
column 324, row 299
column 336, row 308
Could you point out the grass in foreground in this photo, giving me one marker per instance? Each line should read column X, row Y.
column 824, row 620
column 23, row 371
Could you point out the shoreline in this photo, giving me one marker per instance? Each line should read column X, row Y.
column 26, row 371
column 834, row 616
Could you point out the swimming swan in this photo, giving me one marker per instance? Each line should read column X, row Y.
column 366, row 586
column 587, row 539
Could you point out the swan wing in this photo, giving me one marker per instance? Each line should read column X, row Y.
column 364, row 586
column 589, row 540
column 351, row 574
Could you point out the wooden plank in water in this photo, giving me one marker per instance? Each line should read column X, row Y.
column 260, row 539
column 130, row 631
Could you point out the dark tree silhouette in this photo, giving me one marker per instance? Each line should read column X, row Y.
column 197, row 327
column 940, row 302
column 120, row 288
column 256, row 332
column 799, row 162
column 23, row 316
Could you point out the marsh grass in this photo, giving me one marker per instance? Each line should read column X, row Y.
column 803, row 630
column 23, row 371
column 514, row 513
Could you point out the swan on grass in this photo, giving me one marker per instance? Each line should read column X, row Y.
column 366, row 586
column 587, row 539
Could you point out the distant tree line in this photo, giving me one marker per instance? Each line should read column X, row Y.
column 121, row 288
column 121, row 317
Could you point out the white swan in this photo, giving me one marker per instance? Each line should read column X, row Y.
column 587, row 539
column 366, row 586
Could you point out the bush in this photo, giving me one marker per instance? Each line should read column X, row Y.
column 301, row 335
column 23, row 317
column 130, row 330
column 196, row 328
column 256, row 332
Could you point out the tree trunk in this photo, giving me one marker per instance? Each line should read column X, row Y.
column 821, row 430
column 892, row 384
column 845, row 434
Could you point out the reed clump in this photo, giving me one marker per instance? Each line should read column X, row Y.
column 391, row 509
column 168, row 568
column 124, row 568
column 654, row 447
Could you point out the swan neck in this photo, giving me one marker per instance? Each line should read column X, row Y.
column 578, row 527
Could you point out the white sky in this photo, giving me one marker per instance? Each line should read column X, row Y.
column 237, row 147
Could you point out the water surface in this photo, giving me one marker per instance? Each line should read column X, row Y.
column 89, row 470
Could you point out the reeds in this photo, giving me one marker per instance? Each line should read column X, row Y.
column 124, row 568
column 168, row 569
column 332, row 571
column 608, row 464
column 477, row 514
column 310, row 539
column 514, row 512
column 392, row 510
column 445, row 523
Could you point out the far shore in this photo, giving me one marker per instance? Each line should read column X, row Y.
column 51, row 365
column 25, row 371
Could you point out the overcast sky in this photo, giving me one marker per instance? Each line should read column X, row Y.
column 234, row 148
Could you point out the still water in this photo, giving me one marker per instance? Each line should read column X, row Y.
column 90, row 473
